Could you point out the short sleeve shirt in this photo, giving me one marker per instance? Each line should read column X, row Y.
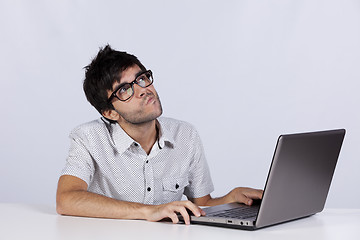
column 116, row 166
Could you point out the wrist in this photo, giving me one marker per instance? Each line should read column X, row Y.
column 147, row 211
column 231, row 196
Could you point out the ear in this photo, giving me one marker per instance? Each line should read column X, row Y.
column 111, row 114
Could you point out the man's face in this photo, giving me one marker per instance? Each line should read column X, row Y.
column 144, row 106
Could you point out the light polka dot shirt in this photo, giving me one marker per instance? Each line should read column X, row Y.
column 114, row 165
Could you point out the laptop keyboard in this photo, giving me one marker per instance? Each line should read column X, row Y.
column 238, row 213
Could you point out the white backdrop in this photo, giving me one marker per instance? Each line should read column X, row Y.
column 243, row 72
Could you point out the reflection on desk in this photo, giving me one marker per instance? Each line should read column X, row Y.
column 20, row 221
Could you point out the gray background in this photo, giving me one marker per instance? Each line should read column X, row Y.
column 242, row 72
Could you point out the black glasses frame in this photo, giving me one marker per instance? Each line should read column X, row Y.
column 114, row 95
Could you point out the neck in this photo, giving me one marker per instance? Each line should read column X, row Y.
column 145, row 134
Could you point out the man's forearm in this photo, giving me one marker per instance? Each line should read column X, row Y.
column 73, row 199
column 219, row 200
column 87, row 204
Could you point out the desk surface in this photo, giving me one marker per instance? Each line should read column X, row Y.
column 20, row 221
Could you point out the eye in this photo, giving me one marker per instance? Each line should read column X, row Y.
column 141, row 81
column 123, row 89
column 129, row 91
column 124, row 92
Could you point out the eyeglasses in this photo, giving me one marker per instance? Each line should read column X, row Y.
column 126, row 90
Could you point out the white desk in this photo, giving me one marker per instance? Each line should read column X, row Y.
column 19, row 221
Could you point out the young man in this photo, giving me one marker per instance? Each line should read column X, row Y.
column 132, row 163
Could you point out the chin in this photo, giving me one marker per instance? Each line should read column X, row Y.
column 143, row 119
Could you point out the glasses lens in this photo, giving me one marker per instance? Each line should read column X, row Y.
column 124, row 92
column 145, row 79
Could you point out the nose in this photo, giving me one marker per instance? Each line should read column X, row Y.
column 140, row 92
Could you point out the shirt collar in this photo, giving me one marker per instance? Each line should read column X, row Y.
column 123, row 141
column 165, row 136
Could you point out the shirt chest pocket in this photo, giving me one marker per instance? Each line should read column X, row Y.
column 173, row 188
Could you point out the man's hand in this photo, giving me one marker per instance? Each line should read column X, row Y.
column 170, row 210
column 245, row 195
column 239, row 194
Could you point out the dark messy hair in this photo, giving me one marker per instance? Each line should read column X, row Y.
column 103, row 71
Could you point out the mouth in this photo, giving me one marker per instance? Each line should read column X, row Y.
column 150, row 100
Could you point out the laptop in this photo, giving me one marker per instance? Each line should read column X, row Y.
column 297, row 185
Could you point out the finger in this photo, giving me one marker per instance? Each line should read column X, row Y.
column 248, row 201
column 261, row 193
column 174, row 218
column 184, row 214
column 254, row 193
column 242, row 198
column 194, row 209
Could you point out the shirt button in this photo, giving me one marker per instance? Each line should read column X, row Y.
column 135, row 144
column 177, row 186
column 149, row 189
column 147, row 161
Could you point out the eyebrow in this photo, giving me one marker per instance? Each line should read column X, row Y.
column 139, row 73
